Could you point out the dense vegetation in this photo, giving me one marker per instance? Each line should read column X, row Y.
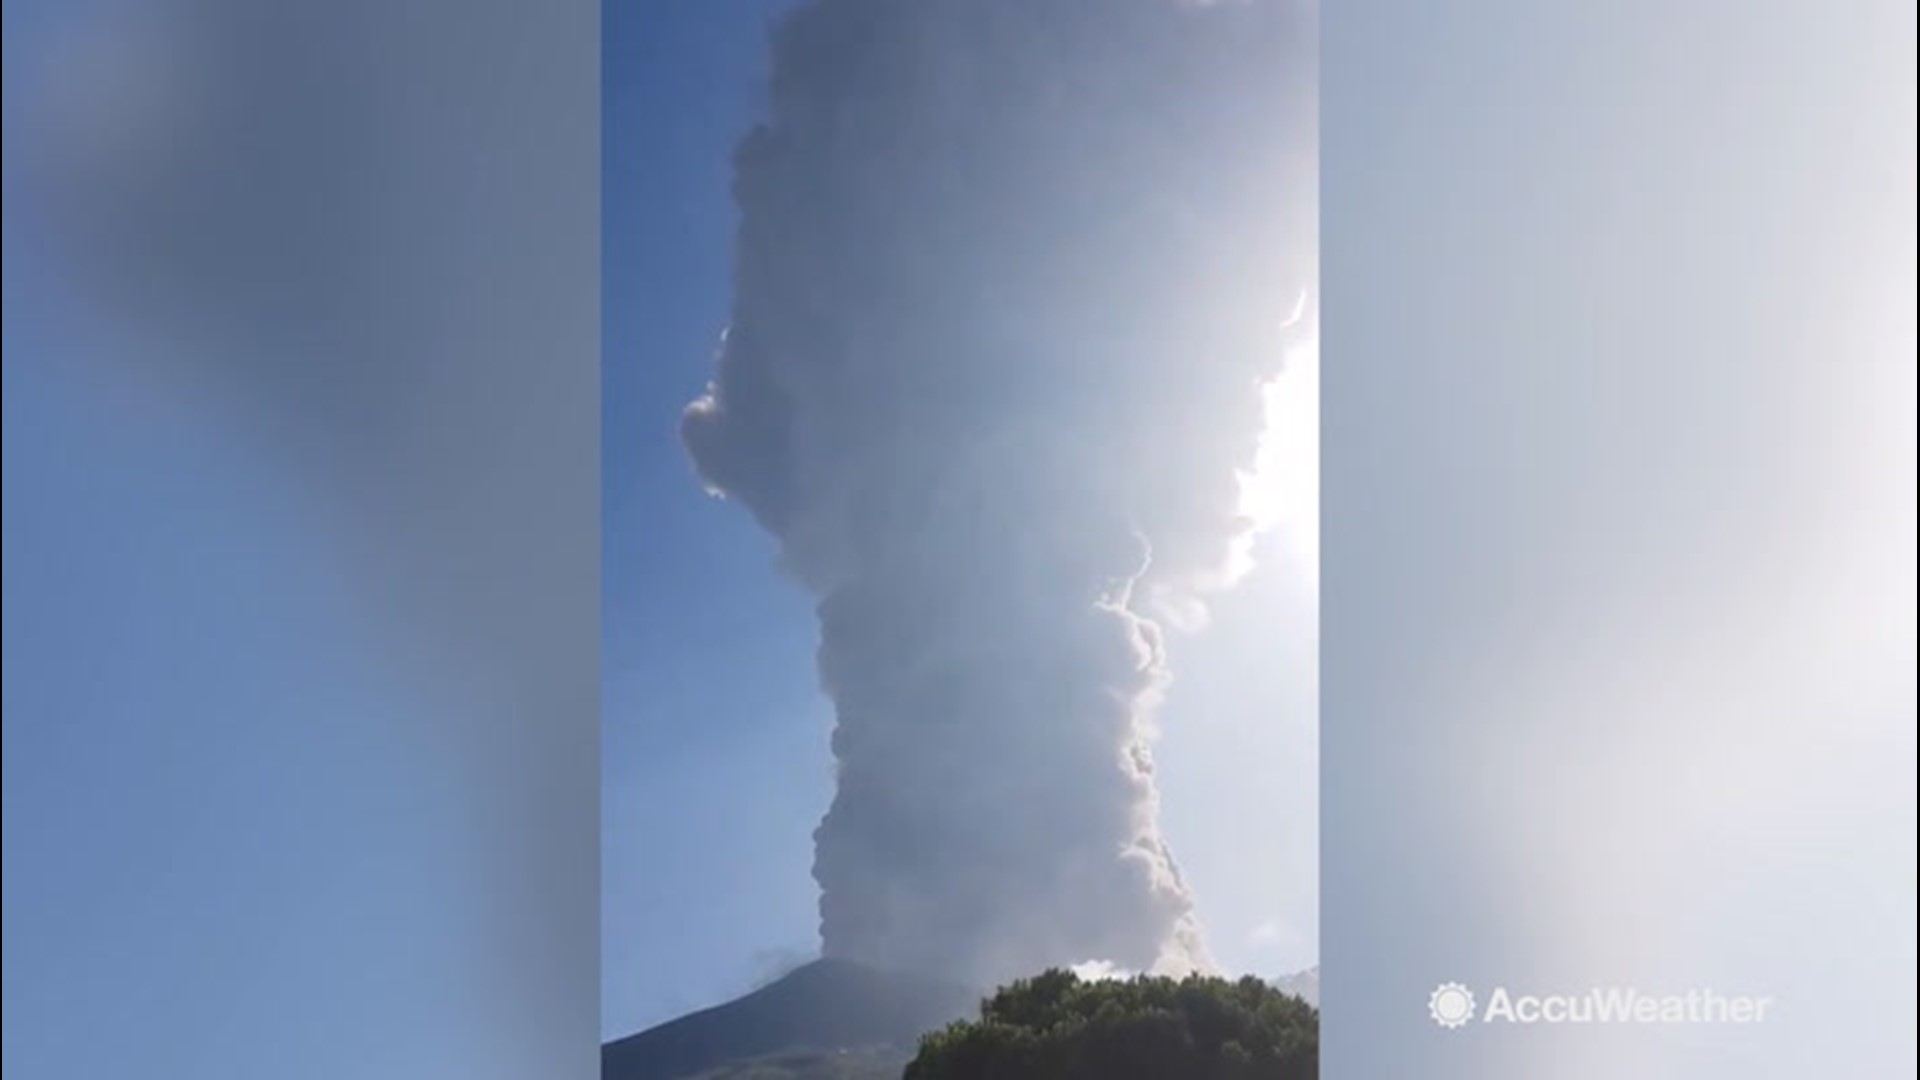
column 1057, row 1026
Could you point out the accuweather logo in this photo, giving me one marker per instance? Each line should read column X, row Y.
column 1453, row 1006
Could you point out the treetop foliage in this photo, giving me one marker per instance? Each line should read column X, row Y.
column 1057, row 1026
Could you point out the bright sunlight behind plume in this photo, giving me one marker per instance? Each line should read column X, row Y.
column 1282, row 490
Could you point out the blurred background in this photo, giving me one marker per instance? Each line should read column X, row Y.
column 301, row 373
column 1618, row 593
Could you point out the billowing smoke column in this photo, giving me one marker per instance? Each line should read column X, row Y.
column 1009, row 273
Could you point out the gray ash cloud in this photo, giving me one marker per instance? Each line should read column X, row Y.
column 1008, row 275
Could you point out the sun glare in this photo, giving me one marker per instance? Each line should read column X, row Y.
column 1282, row 490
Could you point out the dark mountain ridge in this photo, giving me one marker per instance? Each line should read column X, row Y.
column 829, row 1018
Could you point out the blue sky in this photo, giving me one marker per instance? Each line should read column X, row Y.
column 712, row 782
column 716, row 766
column 186, row 686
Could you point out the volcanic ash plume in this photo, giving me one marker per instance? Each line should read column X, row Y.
column 1009, row 275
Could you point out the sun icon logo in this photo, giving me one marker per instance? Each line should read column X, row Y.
column 1451, row 1005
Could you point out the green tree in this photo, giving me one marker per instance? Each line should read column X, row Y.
column 1056, row 1026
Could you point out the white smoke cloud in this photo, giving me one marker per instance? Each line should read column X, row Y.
column 1101, row 971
